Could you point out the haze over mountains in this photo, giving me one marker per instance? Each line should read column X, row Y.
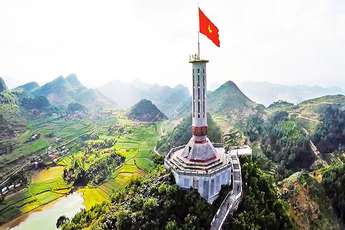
column 164, row 97
column 170, row 100
column 266, row 93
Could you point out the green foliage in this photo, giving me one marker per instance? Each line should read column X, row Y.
column 232, row 139
column 334, row 182
column 183, row 132
column 76, row 107
column 261, row 208
column 96, row 173
column 152, row 202
column 6, row 97
column 283, row 140
column 61, row 221
column 39, row 102
column 330, row 133
column 254, row 127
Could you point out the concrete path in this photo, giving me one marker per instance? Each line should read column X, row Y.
column 232, row 199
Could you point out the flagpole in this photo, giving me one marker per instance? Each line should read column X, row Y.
column 198, row 54
column 198, row 45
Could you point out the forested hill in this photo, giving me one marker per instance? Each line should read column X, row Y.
column 146, row 111
column 228, row 101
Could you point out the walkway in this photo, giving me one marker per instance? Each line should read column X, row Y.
column 316, row 152
column 233, row 198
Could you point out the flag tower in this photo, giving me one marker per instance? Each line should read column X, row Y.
column 200, row 164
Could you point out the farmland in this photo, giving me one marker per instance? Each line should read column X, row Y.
column 132, row 141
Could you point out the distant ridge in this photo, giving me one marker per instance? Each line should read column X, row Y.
column 166, row 98
column 63, row 91
column 28, row 87
column 267, row 93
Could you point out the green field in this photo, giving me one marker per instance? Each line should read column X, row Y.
column 47, row 186
column 49, row 131
column 137, row 148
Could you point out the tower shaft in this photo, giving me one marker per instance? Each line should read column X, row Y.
column 199, row 105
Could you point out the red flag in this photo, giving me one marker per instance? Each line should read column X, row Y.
column 207, row 28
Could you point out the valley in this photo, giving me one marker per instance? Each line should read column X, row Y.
column 107, row 158
column 85, row 141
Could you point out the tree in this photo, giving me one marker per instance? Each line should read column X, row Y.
column 61, row 221
column 232, row 139
column 254, row 127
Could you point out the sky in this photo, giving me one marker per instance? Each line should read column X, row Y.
column 278, row 41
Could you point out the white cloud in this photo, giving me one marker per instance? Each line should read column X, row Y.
column 282, row 41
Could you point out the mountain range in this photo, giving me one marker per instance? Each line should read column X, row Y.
column 63, row 91
column 267, row 93
column 166, row 98
column 282, row 135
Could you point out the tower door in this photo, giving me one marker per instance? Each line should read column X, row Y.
column 195, row 183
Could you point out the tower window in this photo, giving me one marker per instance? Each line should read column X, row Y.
column 193, row 106
column 198, row 109
column 198, row 70
column 204, row 101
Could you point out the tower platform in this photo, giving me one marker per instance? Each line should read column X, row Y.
column 207, row 176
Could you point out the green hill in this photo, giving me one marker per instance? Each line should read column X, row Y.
column 227, row 101
column 309, row 202
column 229, row 96
column 146, row 111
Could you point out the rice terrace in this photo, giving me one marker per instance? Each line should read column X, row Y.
column 131, row 140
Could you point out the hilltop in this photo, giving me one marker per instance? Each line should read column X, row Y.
column 229, row 100
column 146, row 111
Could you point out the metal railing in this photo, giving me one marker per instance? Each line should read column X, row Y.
column 229, row 204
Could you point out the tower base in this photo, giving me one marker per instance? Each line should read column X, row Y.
column 205, row 176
